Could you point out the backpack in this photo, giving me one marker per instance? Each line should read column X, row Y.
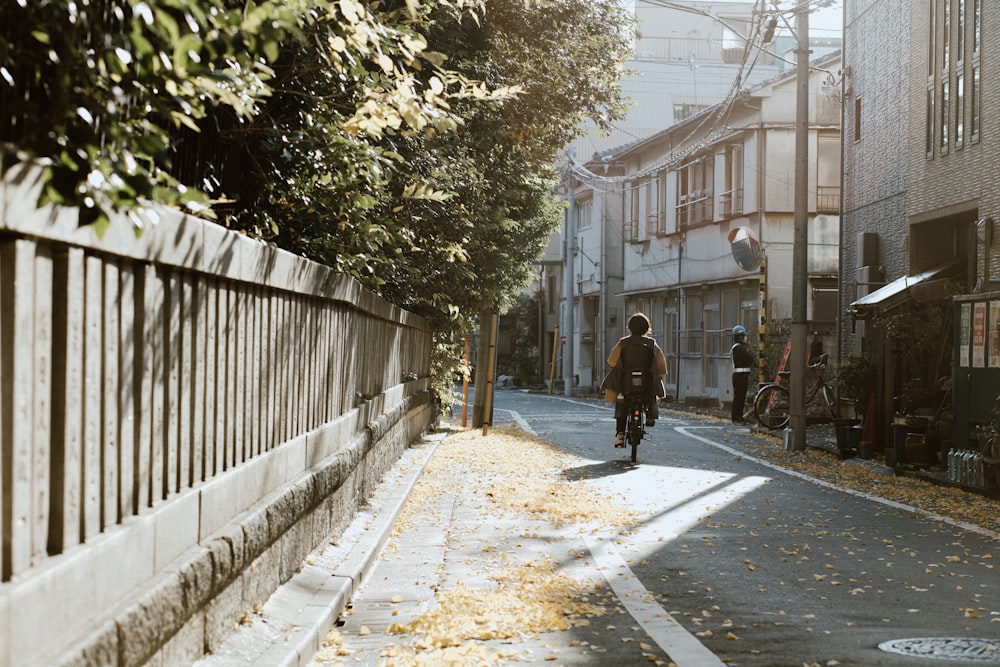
column 637, row 362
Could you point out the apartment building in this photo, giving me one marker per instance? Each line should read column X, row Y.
column 653, row 224
column 921, row 199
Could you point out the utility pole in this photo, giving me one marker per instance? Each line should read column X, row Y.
column 800, row 246
column 569, row 282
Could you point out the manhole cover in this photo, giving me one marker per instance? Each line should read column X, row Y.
column 947, row 648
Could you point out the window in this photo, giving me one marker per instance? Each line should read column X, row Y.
column 977, row 25
column 694, row 193
column 584, row 213
column 693, row 331
column 929, row 140
column 945, row 117
column 733, row 40
column 685, row 111
column 731, row 199
column 959, row 109
column 715, row 349
column 946, row 37
column 976, row 103
column 661, row 204
column 671, row 322
column 975, row 99
column 931, row 42
column 857, row 119
column 631, row 206
column 960, row 41
column 960, row 75
column 954, row 84
column 640, row 208
column 653, row 223
column 828, row 174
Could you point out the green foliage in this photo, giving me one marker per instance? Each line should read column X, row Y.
column 447, row 363
column 856, row 379
column 94, row 91
column 921, row 332
column 779, row 332
column 521, row 322
column 408, row 144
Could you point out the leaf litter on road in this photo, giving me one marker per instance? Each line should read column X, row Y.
column 517, row 475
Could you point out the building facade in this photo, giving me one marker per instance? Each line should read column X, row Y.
column 920, row 202
column 688, row 57
column 652, row 224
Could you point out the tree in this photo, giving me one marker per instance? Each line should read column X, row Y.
column 408, row 143
column 95, row 90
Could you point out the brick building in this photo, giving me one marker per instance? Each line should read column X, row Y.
column 920, row 197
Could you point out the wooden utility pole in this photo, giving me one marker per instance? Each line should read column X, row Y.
column 800, row 247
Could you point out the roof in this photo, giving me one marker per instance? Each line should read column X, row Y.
column 919, row 287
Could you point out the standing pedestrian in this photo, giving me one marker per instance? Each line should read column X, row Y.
column 742, row 366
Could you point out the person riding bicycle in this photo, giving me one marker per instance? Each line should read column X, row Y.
column 742, row 366
column 636, row 352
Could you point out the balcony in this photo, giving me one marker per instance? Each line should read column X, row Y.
column 695, row 208
column 828, row 200
column 731, row 203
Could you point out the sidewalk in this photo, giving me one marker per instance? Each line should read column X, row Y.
column 496, row 555
column 290, row 627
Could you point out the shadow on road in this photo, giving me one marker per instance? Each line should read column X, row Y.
column 596, row 470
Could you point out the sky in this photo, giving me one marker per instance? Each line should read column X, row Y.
column 825, row 22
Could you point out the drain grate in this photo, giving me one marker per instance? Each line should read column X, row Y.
column 969, row 649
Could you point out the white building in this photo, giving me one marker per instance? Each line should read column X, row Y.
column 688, row 57
column 651, row 224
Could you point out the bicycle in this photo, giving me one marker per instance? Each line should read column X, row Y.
column 771, row 404
column 635, row 406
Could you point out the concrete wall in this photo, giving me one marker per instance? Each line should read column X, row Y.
column 185, row 414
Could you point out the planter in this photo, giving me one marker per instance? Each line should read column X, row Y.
column 854, row 437
column 849, row 409
column 866, row 449
column 847, row 440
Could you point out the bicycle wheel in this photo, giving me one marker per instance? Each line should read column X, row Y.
column 831, row 401
column 634, row 430
column 771, row 407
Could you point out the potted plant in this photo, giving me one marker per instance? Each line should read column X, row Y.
column 856, row 377
column 989, row 447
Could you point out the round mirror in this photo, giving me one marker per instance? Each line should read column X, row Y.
column 746, row 248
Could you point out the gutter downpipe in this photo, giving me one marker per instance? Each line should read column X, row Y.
column 568, row 291
column 603, row 307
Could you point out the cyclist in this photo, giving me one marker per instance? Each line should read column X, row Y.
column 742, row 366
column 636, row 352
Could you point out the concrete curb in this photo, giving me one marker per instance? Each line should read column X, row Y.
column 297, row 617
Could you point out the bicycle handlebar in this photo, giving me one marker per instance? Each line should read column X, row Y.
column 822, row 361
column 823, row 358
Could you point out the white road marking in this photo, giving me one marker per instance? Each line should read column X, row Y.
column 683, row 430
column 680, row 645
column 521, row 422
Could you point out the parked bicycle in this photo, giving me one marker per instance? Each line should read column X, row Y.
column 771, row 404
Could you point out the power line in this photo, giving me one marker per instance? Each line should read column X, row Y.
column 711, row 117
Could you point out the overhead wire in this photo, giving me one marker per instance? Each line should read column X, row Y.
column 751, row 54
column 712, row 115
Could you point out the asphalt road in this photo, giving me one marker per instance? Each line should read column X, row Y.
column 735, row 561
column 798, row 571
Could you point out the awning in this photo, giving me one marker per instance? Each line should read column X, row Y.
column 927, row 286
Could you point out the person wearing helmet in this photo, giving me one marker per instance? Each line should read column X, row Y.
column 638, row 351
column 742, row 365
